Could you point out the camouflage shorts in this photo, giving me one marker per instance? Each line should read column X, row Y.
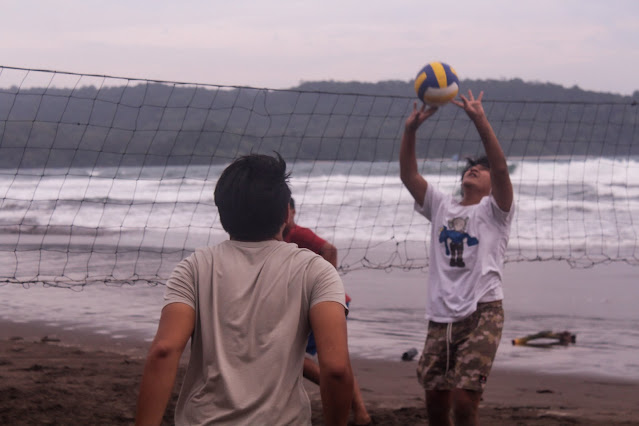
column 461, row 354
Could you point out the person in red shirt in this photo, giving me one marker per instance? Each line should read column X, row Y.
column 307, row 239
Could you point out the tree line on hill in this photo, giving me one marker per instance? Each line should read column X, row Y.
column 163, row 124
column 495, row 90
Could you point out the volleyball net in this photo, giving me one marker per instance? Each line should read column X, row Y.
column 110, row 180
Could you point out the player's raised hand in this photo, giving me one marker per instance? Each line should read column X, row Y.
column 472, row 106
column 418, row 116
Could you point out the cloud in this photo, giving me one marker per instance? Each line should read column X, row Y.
column 279, row 44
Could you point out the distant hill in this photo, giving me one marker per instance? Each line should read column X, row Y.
column 159, row 124
column 494, row 90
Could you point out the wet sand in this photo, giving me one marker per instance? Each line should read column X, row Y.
column 73, row 378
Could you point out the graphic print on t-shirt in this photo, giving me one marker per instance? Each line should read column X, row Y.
column 456, row 233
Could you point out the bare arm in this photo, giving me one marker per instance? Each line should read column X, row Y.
column 329, row 252
column 311, row 371
column 408, row 171
column 336, row 377
column 502, row 188
column 176, row 326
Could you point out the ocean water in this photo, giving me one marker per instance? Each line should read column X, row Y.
column 598, row 305
column 106, row 233
column 72, row 226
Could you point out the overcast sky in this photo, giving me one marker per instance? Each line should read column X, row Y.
column 593, row 44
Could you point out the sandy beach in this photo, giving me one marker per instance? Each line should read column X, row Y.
column 69, row 378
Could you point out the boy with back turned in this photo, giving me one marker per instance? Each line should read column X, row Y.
column 248, row 305
column 468, row 243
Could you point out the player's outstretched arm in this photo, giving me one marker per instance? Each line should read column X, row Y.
column 336, row 377
column 408, row 171
column 502, row 188
column 176, row 326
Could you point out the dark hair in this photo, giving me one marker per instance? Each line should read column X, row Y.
column 252, row 197
column 470, row 162
column 291, row 203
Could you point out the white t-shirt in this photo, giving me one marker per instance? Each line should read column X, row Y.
column 252, row 301
column 467, row 249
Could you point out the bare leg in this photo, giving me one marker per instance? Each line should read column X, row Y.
column 466, row 407
column 360, row 415
column 438, row 405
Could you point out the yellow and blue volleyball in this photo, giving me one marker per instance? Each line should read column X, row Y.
column 436, row 84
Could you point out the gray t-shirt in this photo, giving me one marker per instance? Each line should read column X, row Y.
column 252, row 302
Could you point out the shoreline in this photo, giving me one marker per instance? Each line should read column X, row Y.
column 387, row 315
column 48, row 380
column 136, row 345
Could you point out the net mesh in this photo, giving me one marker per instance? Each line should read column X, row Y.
column 106, row 179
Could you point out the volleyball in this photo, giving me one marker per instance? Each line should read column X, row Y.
column 436, row 84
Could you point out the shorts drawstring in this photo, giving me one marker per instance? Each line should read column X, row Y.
column 449, row 338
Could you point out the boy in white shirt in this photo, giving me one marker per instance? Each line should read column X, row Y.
column 468, row 244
